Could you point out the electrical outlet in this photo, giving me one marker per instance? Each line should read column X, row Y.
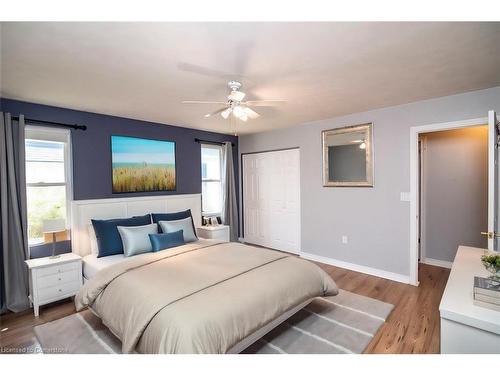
column 344, row 239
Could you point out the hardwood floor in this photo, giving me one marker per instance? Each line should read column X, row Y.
column 16, row 330
column 412, row 327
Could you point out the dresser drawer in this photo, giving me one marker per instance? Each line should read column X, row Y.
column 57, row 269
column 58, row 278
column 57, row 291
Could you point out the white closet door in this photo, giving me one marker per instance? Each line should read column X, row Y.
column 271, row 199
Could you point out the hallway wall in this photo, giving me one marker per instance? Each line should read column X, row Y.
column 455, row 186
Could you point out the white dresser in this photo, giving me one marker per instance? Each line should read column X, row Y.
column 216, row 232
column 466, row 328
column 52, row 279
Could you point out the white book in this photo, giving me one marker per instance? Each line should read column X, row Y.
column 487, row 305
column 486, row 286
column 488, row 299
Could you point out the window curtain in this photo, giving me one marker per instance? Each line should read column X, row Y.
column 13, row 216
column 229, row 207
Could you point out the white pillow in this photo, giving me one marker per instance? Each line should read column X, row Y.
column 136, row 239
column 93, row 240
column 174, row 225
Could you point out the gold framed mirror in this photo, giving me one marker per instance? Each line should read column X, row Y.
column 348, row 156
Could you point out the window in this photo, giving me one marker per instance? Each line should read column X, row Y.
column 211, row 179
column 47, row 178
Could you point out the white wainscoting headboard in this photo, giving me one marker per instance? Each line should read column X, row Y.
column 82, row 211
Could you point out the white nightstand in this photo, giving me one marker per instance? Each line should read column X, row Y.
column 219, row 232
column 52, row 279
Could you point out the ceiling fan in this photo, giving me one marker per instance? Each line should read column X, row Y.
column 235, row 105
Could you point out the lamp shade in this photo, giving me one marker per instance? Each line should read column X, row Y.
column 54, row 225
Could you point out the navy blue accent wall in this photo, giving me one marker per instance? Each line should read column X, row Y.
column 45, row 249
column 92, row 153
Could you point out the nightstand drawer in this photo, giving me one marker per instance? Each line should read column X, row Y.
column 58, row 278
column 218, row 235
column 54, row 278
column 57, row 269
column 53, row 292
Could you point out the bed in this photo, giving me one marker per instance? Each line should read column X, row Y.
column 202, row 297
column 91, row 264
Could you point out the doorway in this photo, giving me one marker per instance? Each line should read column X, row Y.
column 453, row 192
column 493, row 224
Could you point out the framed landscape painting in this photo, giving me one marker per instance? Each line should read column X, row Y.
column 141, row 165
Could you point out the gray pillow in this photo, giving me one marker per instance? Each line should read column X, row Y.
column 182, row 224
column 136, row 239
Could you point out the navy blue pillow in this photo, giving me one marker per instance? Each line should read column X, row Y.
column 164, row 241
column 172, row 216
column 108, row 238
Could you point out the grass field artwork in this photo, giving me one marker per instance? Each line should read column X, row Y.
column 141, row 165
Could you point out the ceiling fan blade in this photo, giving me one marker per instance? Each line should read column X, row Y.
column 200, row 102
column 216, row 112
column 264, row 103
column 192, row 68
column 251, row 113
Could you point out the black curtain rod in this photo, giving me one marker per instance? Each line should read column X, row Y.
column 52, row 123
column 210, row 142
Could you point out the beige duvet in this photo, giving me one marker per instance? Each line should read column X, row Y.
column 202, row 297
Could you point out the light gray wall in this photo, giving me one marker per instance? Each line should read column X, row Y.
column 374, row 219
column 455, row 185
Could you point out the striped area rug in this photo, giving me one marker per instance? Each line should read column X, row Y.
column 342, row 324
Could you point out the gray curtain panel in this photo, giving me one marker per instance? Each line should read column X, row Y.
column 230, row 208
column 13, row 218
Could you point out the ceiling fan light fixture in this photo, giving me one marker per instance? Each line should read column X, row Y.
column 225, row 114
column 239, row 112
column 236, row 96
column 251, row 113
column 236, row 105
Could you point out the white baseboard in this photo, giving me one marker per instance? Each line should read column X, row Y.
column 436, row 262
column 358, row 268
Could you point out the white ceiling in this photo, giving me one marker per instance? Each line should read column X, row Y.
column 145, row 70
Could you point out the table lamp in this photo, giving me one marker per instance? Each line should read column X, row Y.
column 54, row 226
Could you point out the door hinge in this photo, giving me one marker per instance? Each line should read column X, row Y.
column 497, row 126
